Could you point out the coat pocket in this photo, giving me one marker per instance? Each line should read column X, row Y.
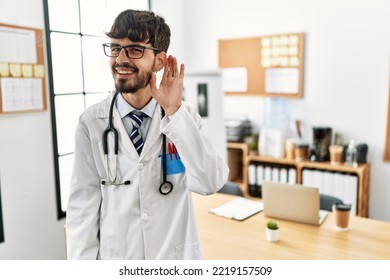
column 188, row 251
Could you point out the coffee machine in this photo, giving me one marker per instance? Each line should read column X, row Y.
column 321, row 141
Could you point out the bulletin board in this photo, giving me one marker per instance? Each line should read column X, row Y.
column 22, row 70
column 269, row 66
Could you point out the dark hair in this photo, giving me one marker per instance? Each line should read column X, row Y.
column 141, row 26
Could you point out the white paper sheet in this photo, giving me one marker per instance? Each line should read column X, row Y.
column 21, row 94
column 282, row 80
column 239, row 208
column 234, row 79
column 17, row 45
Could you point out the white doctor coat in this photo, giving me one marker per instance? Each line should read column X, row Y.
column 135, row 221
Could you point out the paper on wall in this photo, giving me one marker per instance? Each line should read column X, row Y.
column 234, row 79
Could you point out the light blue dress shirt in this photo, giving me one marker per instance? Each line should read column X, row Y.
column 125, row 109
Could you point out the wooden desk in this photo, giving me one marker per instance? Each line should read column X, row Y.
column 223, row 238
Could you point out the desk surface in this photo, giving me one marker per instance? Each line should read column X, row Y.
column 223, row 238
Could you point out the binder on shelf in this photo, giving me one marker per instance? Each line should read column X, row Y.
column 275, row 174
column 283, row 175
column 259, row 180
column 307, row 177
column 252, row 188
column 292, row 176
column 328, row 183
column 350, row 192
column 267, row 173
column 317, row 176
column 339, row 181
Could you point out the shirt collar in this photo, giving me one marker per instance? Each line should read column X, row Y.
column 125, row 108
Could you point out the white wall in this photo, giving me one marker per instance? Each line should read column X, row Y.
column 31, row 228
column 346, row 87
column 347, row 49
column 213, row 123
column 171, row 11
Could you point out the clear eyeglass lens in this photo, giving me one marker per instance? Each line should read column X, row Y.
column 113, row 50
column 135, row 52
column 132, row 52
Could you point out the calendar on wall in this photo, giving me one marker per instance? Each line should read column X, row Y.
column 22, row 70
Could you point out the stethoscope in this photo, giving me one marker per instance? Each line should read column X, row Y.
column 165, row 188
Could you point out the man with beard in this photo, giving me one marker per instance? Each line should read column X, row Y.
column 139, row 155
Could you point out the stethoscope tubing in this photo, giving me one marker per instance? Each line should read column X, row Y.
column 165, row 188
column 111, row 129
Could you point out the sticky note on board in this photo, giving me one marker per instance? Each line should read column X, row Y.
column 27, row 70
column 39, row 71
column 4, row 70
column 15, row 70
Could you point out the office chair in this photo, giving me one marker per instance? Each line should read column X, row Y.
column 327, row 201
column 231, row 188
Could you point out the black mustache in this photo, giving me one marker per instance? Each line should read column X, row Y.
column 126, row 65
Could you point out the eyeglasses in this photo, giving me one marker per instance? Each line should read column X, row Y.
column 132, row 51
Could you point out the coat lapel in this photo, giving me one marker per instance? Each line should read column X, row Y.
column 124, row 139
column 154, row 135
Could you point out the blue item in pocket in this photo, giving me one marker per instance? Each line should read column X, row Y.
column 174, row 166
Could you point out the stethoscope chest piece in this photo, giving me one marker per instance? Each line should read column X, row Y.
column 166, row 188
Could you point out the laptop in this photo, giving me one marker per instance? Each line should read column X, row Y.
column 293, row 202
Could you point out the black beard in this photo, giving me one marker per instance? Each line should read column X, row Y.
column 140, row 82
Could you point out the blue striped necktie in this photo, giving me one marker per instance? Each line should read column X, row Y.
column 136, row 118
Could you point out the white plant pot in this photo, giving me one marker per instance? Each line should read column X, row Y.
column 272, row 234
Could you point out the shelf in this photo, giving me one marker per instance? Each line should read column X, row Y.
column 362, row 171
column 240, row 168
column 310, row 164
column 272, row 160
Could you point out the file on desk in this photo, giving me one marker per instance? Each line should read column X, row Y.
column 239, row 208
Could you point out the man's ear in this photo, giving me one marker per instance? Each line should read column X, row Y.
column 161, row 60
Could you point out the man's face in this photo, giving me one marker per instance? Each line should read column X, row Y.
column 131, row 75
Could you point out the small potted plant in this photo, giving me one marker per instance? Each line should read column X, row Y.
column 272, row 231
